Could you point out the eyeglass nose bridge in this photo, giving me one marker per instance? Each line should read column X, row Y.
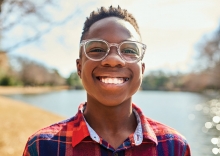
column 114, row 45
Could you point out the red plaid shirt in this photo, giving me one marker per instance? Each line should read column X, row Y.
column 74, row 137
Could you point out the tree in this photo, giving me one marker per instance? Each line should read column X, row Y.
column 35, row 74
column 209, row 48
column 155, row 81
column 36, row 16
column 74, row 81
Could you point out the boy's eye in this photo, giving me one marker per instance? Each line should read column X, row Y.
column 129, row 51
column 97, row 50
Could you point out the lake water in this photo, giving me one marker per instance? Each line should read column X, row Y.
column 176, row 109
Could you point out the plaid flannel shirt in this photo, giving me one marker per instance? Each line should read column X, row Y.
column 74, row 137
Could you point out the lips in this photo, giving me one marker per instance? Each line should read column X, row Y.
column 112, row 80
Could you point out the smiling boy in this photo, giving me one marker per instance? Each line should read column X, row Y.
column 111, row 68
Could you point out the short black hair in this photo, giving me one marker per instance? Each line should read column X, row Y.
column 110, row 12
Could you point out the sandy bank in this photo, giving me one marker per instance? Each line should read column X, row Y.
column 29, row 90
column 19, row 120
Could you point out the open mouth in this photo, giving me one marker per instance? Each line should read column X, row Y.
column 112, row 80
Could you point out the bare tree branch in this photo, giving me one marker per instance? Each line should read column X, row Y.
column 210, row 54
column 30, row 13
column 40, row 34
column 1, row 2
column 24, row 8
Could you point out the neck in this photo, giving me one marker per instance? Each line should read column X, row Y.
column 111, row 120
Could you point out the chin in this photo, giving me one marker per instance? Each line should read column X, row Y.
column 114, row 102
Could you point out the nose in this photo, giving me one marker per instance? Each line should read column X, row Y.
column 113, row 59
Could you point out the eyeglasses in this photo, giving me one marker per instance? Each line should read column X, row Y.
column 98, row 49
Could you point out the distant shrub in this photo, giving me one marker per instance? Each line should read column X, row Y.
column 155, row 81
column 74, row 81
column 7, row 80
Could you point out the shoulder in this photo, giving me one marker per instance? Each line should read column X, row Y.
column 169, row 139
column 49, row 137
column 53, row 131
column 163, row 131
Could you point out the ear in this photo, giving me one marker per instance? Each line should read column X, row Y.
column 78, row 66
column 142, row 68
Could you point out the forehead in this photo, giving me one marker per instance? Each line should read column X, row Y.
column 113, row 28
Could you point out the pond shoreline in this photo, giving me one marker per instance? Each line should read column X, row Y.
column 19, row 120
column 30, row 89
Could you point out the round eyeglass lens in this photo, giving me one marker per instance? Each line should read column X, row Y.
column 131, row 51
column 96, row 49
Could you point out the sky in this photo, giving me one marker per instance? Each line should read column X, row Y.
column 171, row 29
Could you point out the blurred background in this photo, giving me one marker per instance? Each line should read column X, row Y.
column 39, row 43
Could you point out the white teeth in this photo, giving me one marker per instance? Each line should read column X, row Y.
column 112, row 80
column 105, row 80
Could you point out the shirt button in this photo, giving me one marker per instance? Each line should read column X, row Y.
column 115, row 154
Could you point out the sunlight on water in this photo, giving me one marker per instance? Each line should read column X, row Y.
column 208, row 125
column 198, row 107
column 215, row 150
column 191, row 116
column 218, row 127
column 215, row 140
column 212, row 127
column 216, row 119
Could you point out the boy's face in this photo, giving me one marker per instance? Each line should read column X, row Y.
column 95, row 74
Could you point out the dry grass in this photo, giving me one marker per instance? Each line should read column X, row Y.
column 18, row 121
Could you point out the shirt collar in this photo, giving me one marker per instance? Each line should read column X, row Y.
column 138, row 135
column 82, row 129
column 147, row 130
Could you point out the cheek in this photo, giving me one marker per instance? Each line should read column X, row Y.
column 87, row 69
column 138, row 71
column 137, row 75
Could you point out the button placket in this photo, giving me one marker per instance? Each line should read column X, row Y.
column 92, row 133
column 115, row 154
